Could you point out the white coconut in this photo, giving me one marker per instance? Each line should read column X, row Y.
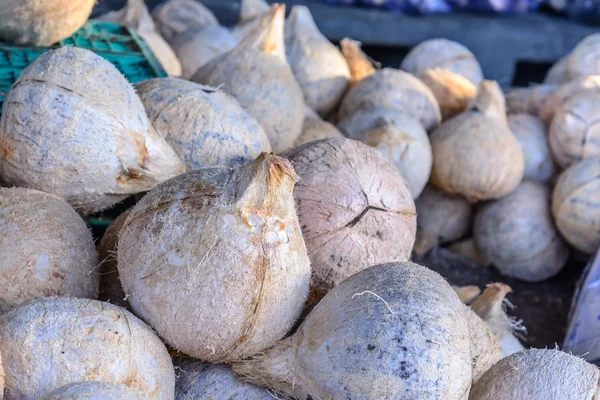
column 557, row 74
column 176, row 17
column 584, row 59
column 94, row 391
column 566, row 92
column 314, row 128
column 530, row 100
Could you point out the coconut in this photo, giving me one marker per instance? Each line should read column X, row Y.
column 73, row 117
column 529, row 100
column 396, row 90
column 198, row 380
column 42, row 23
column 250, row 9
column 574, row 205
column 441, row 218
column 257, row 75
column 517, row 234
column 467, row 248
column 530, row 131
column 136, row 16
column 394, row 331
column 490, row 307
column 557, row 74
column 319, row 67
column 399, row 137
column 485, row 350
column 110, row 284
column 205, row 126
column 176, row 17
column 94, row 391
column 354, row 207
column 567, row 92
column 538, row 374
column 50, row 343
column 453, row 92
column 584, row 59
column 359, row 63
column 224, row 286
column 314, row 128
column 467, row 294
column 494, row 166
column 574, row 128
column 45, row 249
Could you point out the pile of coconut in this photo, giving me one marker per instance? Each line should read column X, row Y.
column 282, row 185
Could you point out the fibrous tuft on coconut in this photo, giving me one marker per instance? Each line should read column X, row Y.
column 359, row 63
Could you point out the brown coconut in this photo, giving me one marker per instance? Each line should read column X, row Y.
column 205, row 126
column 354, row 208
column 531, row 133
column 94, row 391
column 73, row 117
column 566, row 92
column 46, row 249
column 218, row 296
column 517, row 234
column 359, row 63
column 314, row 128
column 49, row 343
column 393, row 331
column 42, row 23
column 575, row 203
column 494, row 165
column 399, row 137
column 584, row 59
column 176, row 17
column 395, row 90
column 529, row 100
column 538, row 374
column 575, row 131
column 319, row 67
column 441, row 218
column 257, row 75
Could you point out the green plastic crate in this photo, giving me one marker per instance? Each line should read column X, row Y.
column 120, row 45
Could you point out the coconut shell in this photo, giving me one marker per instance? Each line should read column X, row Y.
column 530, row 131
column 94, row 391
column 575, row 132
column 314, row 128
column 529, row 100
column 467, row 294
column 557, row 74
column 584, row 59
column 42, row 23
column 354, row 208
column 566, row 92
column 205, row 126
column 494, row 166
column 46, row 249
column 443, row 54
column 395, row 90
column 485, row 350
column 73, row 117
column 441, row 218
column 575, row 205
column 453, row 92
column 319, row 67
column 517, row 234
column 49, row 343
column 538, row 374
column 394, row 331
column 176, row 17
column 198, row 380
column 257, row 75
column 224, row 287
column 359, row 63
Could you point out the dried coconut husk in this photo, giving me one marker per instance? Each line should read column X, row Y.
column 584, row 59
column 557, row 74
column 359, row 63
column 205, row 126
column 453, row 92
column 490, row 307
column 494, row 165
column 399, row 137
column 566, row 92
column 314, row 128
column 319, row 67
column 136, row 16
column 177, row 17
column 94, row 390
column 530, row 100
column 42, row 23
column 218, row 296
column 257, row 75
column 467, row 294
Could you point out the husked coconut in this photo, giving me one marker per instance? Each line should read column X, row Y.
column 73, row 117
column 517, row 234
column 395, row 90
column 257, row 74
column 46, row 249
column 566, row 92
column 205, row 257
column 485, row 350
column 393, row 331
column 399, row 137
column 42, row 23
column 538, row 374
column 359, row 63
column 354, row 208
column 94, row 391
column 494, row 165
column 136, row 16
column 575, row 205
column 204, row 125
column 531, row 133
column 49, row 343
column 584, row 59
column 441, row 218
column 319, row 67
column 314, row 128
column 557, row 74
column 453, row 92
column 529, row 100
column 176, row 17
column 198, row 380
